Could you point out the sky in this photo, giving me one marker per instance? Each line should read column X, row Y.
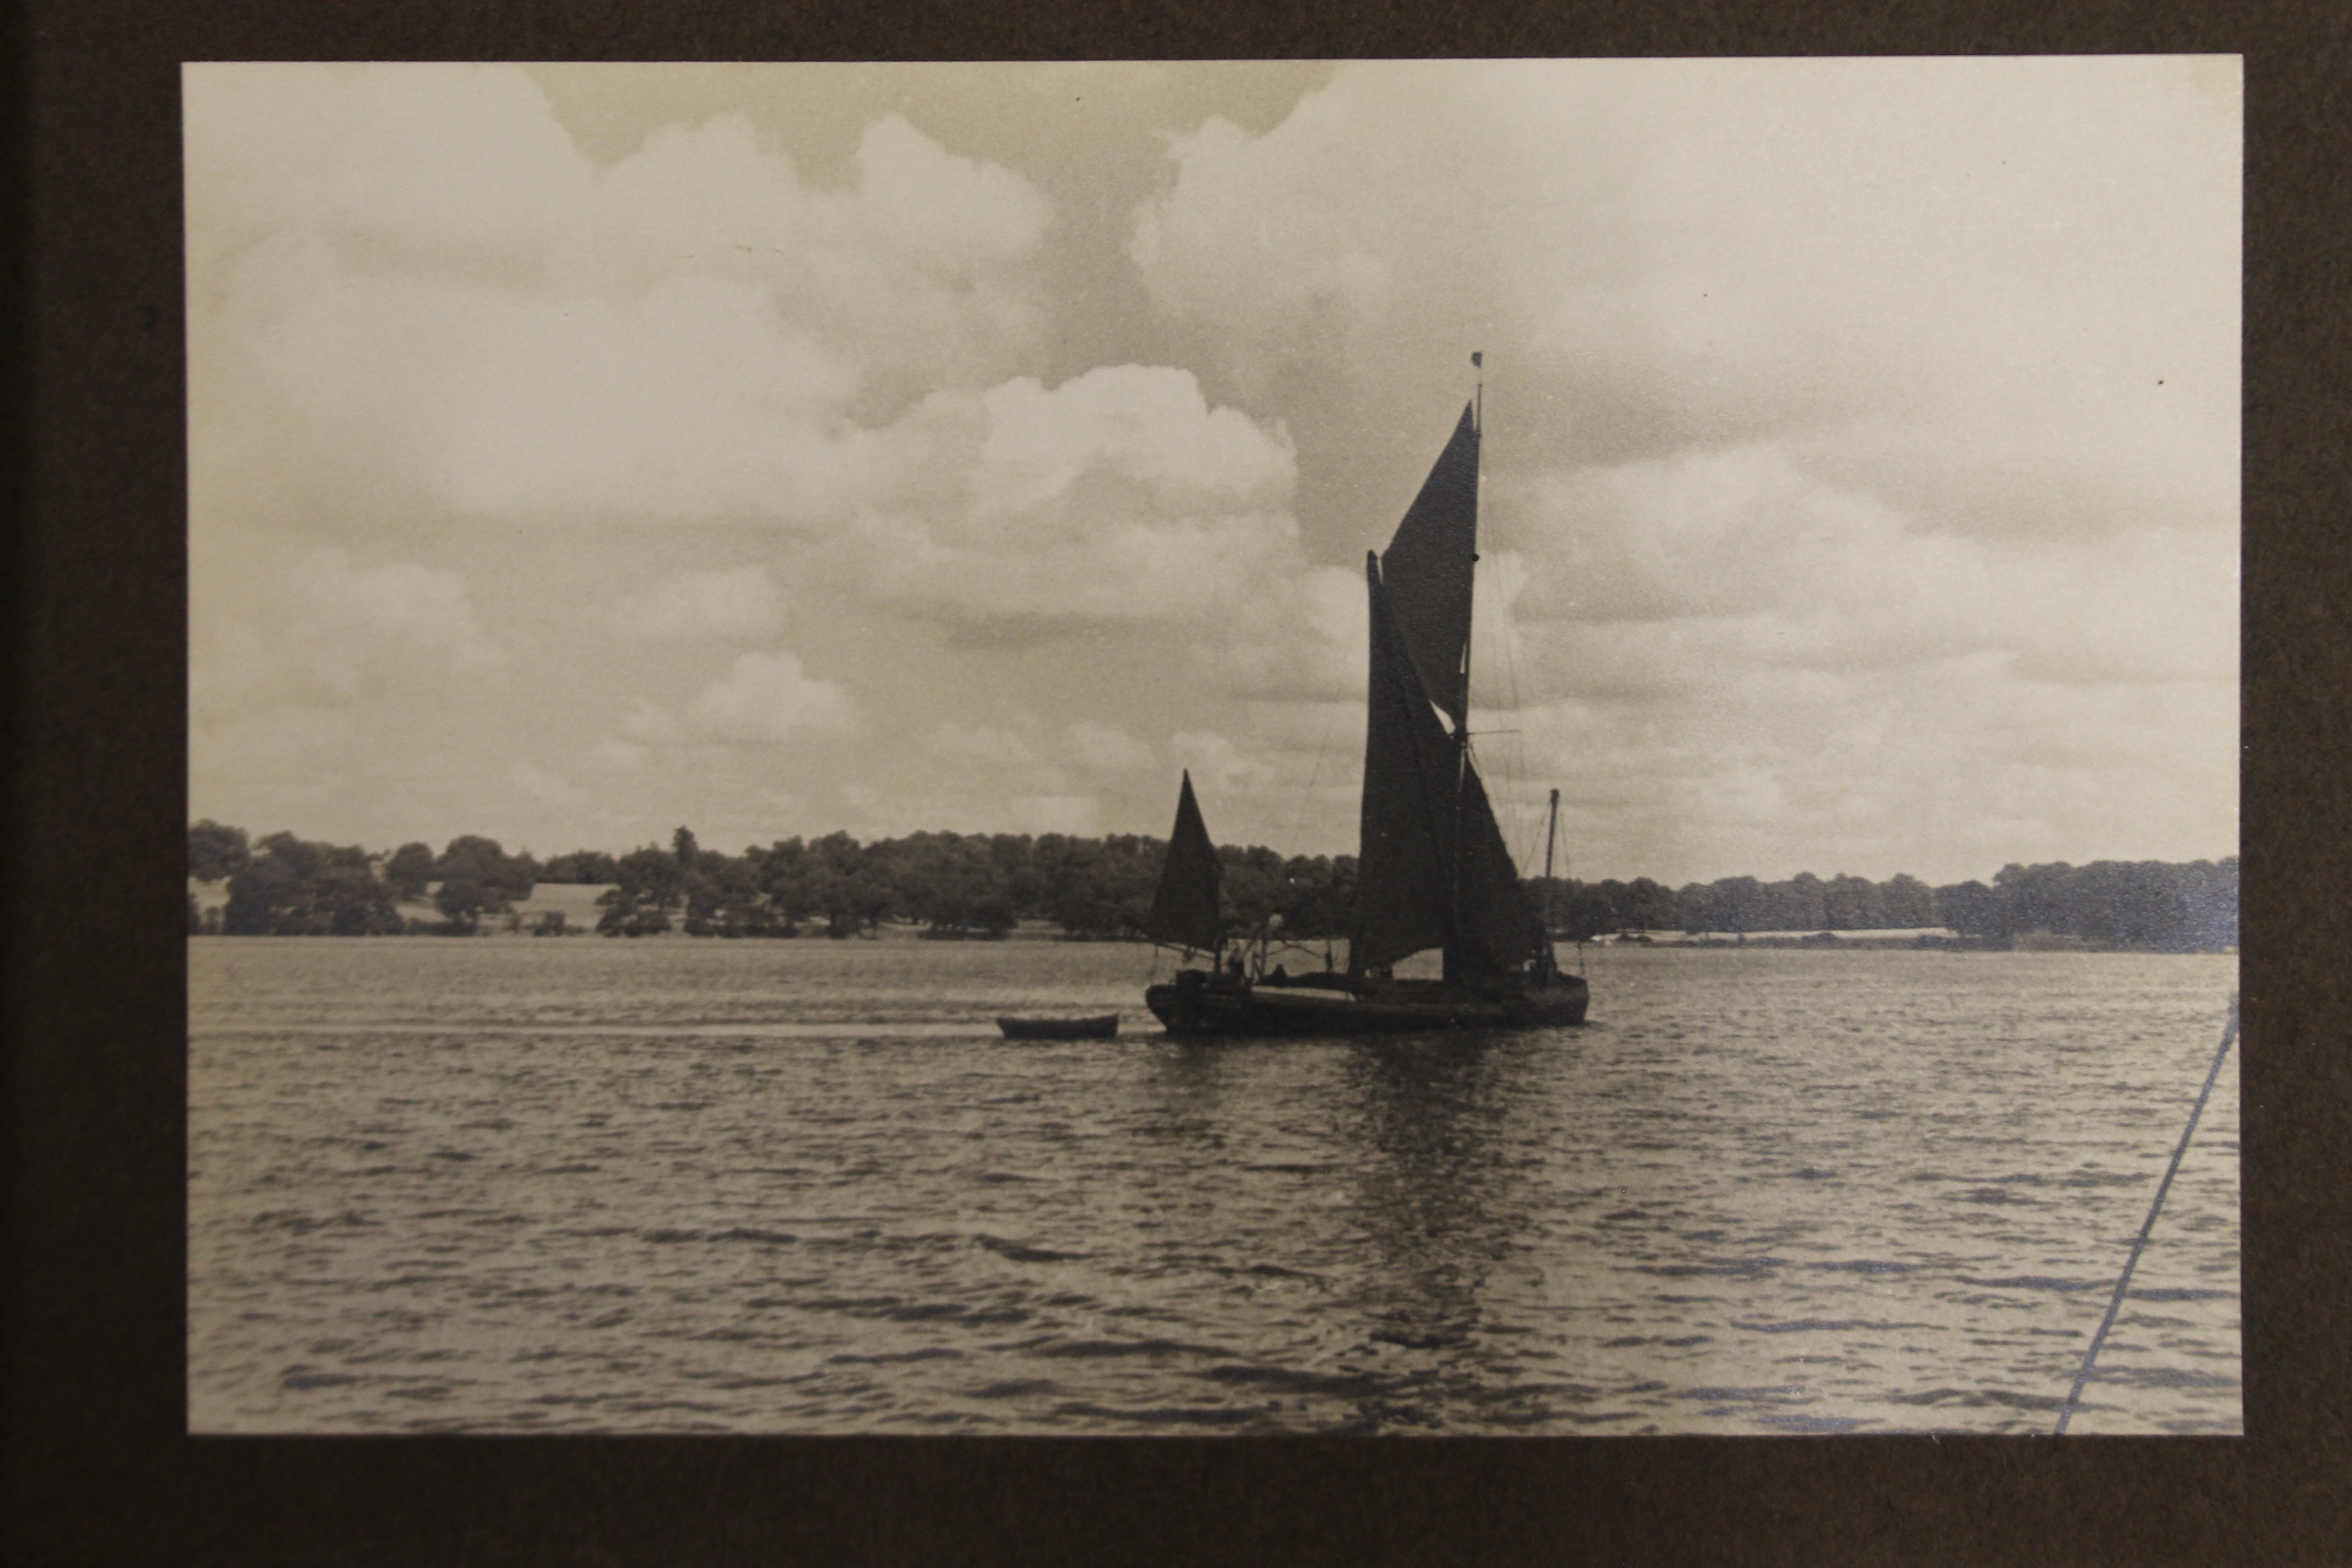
column 576, row 452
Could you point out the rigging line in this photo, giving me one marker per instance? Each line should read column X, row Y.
column 1307, row 802
column 2066, row 1412
column 1506, row 632
column 1502, row 631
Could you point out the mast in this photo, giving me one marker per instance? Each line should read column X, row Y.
column 1477, row 458
column 1479, row 397
column 1462, row 716
column 1551, row 830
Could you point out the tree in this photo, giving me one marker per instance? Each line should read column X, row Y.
column 842, row 881
column 1800, row 903
column 1318, row 897
column 1852, row 904
column 1647, row 906
column 353, row 901
column 723, row 897
column 290, row 887
column 264, row 896
column 478, row 878
column 2208, row 904
column 955, row 884
column 782, row 873
column 646, row 885
column 215, row 851
column 1099, row 887
column 1586, row 912
column 1740, row 904
column 1908, row 902
column 587, row 866
column 409, row 870
column 2029, row 895
column 1974, row 910
column 1254, row 884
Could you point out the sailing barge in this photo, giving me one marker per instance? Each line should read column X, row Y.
column 1432, row 868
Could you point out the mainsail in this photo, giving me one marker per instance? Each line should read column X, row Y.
column 1432, row 869
column 1404, row 861
column 1184, row 909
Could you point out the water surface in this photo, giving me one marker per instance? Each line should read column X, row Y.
column 505, row 1185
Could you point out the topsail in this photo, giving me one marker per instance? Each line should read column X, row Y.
column 1426, row 569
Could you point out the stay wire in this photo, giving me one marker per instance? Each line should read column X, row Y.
column 1307, row 802
column 2066, row 1412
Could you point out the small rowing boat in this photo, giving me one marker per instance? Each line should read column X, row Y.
column 1101, row 1027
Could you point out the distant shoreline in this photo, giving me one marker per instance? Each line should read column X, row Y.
column 577, row 902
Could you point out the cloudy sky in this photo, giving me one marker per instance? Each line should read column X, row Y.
column 580, row 451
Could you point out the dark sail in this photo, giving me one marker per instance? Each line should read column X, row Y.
column 1427, row 571
column 1495, row 933
column 1432, row 871
column 1404, row 869
column 1184, row 909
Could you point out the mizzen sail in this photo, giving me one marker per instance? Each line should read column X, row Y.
column 1184, row 909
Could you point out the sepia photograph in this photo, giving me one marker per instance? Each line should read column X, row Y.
column 1431, row 749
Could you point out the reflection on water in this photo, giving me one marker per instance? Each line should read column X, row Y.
column 1436, row 1198
column 804, row 1187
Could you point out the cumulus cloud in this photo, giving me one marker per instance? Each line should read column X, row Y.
column 767, row 696
column 1767, row 326
column 550, row 789
column 688, row 334
column 1713, row 561
column 645, row 723
column 1763, row 771
column 1846, row 417
column 1107, row 748
column 1216, row 763
column 618, row 754
column 993, row 744
column 349, row 618
column 1120, row 495
column 740, row 603
column 696, row 332
column 2006, row 290
column 228, row 669
column 1297, row 635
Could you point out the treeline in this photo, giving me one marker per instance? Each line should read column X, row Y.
column 2120, row 903
column 955, row 884
column 285, row 886
column 2186, row 907
column 982, row 885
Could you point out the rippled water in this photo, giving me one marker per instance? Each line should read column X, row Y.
column 674, row 1185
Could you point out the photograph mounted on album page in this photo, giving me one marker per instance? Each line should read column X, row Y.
column 1442, row 748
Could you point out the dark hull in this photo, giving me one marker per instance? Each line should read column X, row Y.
column 1097, row 1028
column 1202, row 1004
